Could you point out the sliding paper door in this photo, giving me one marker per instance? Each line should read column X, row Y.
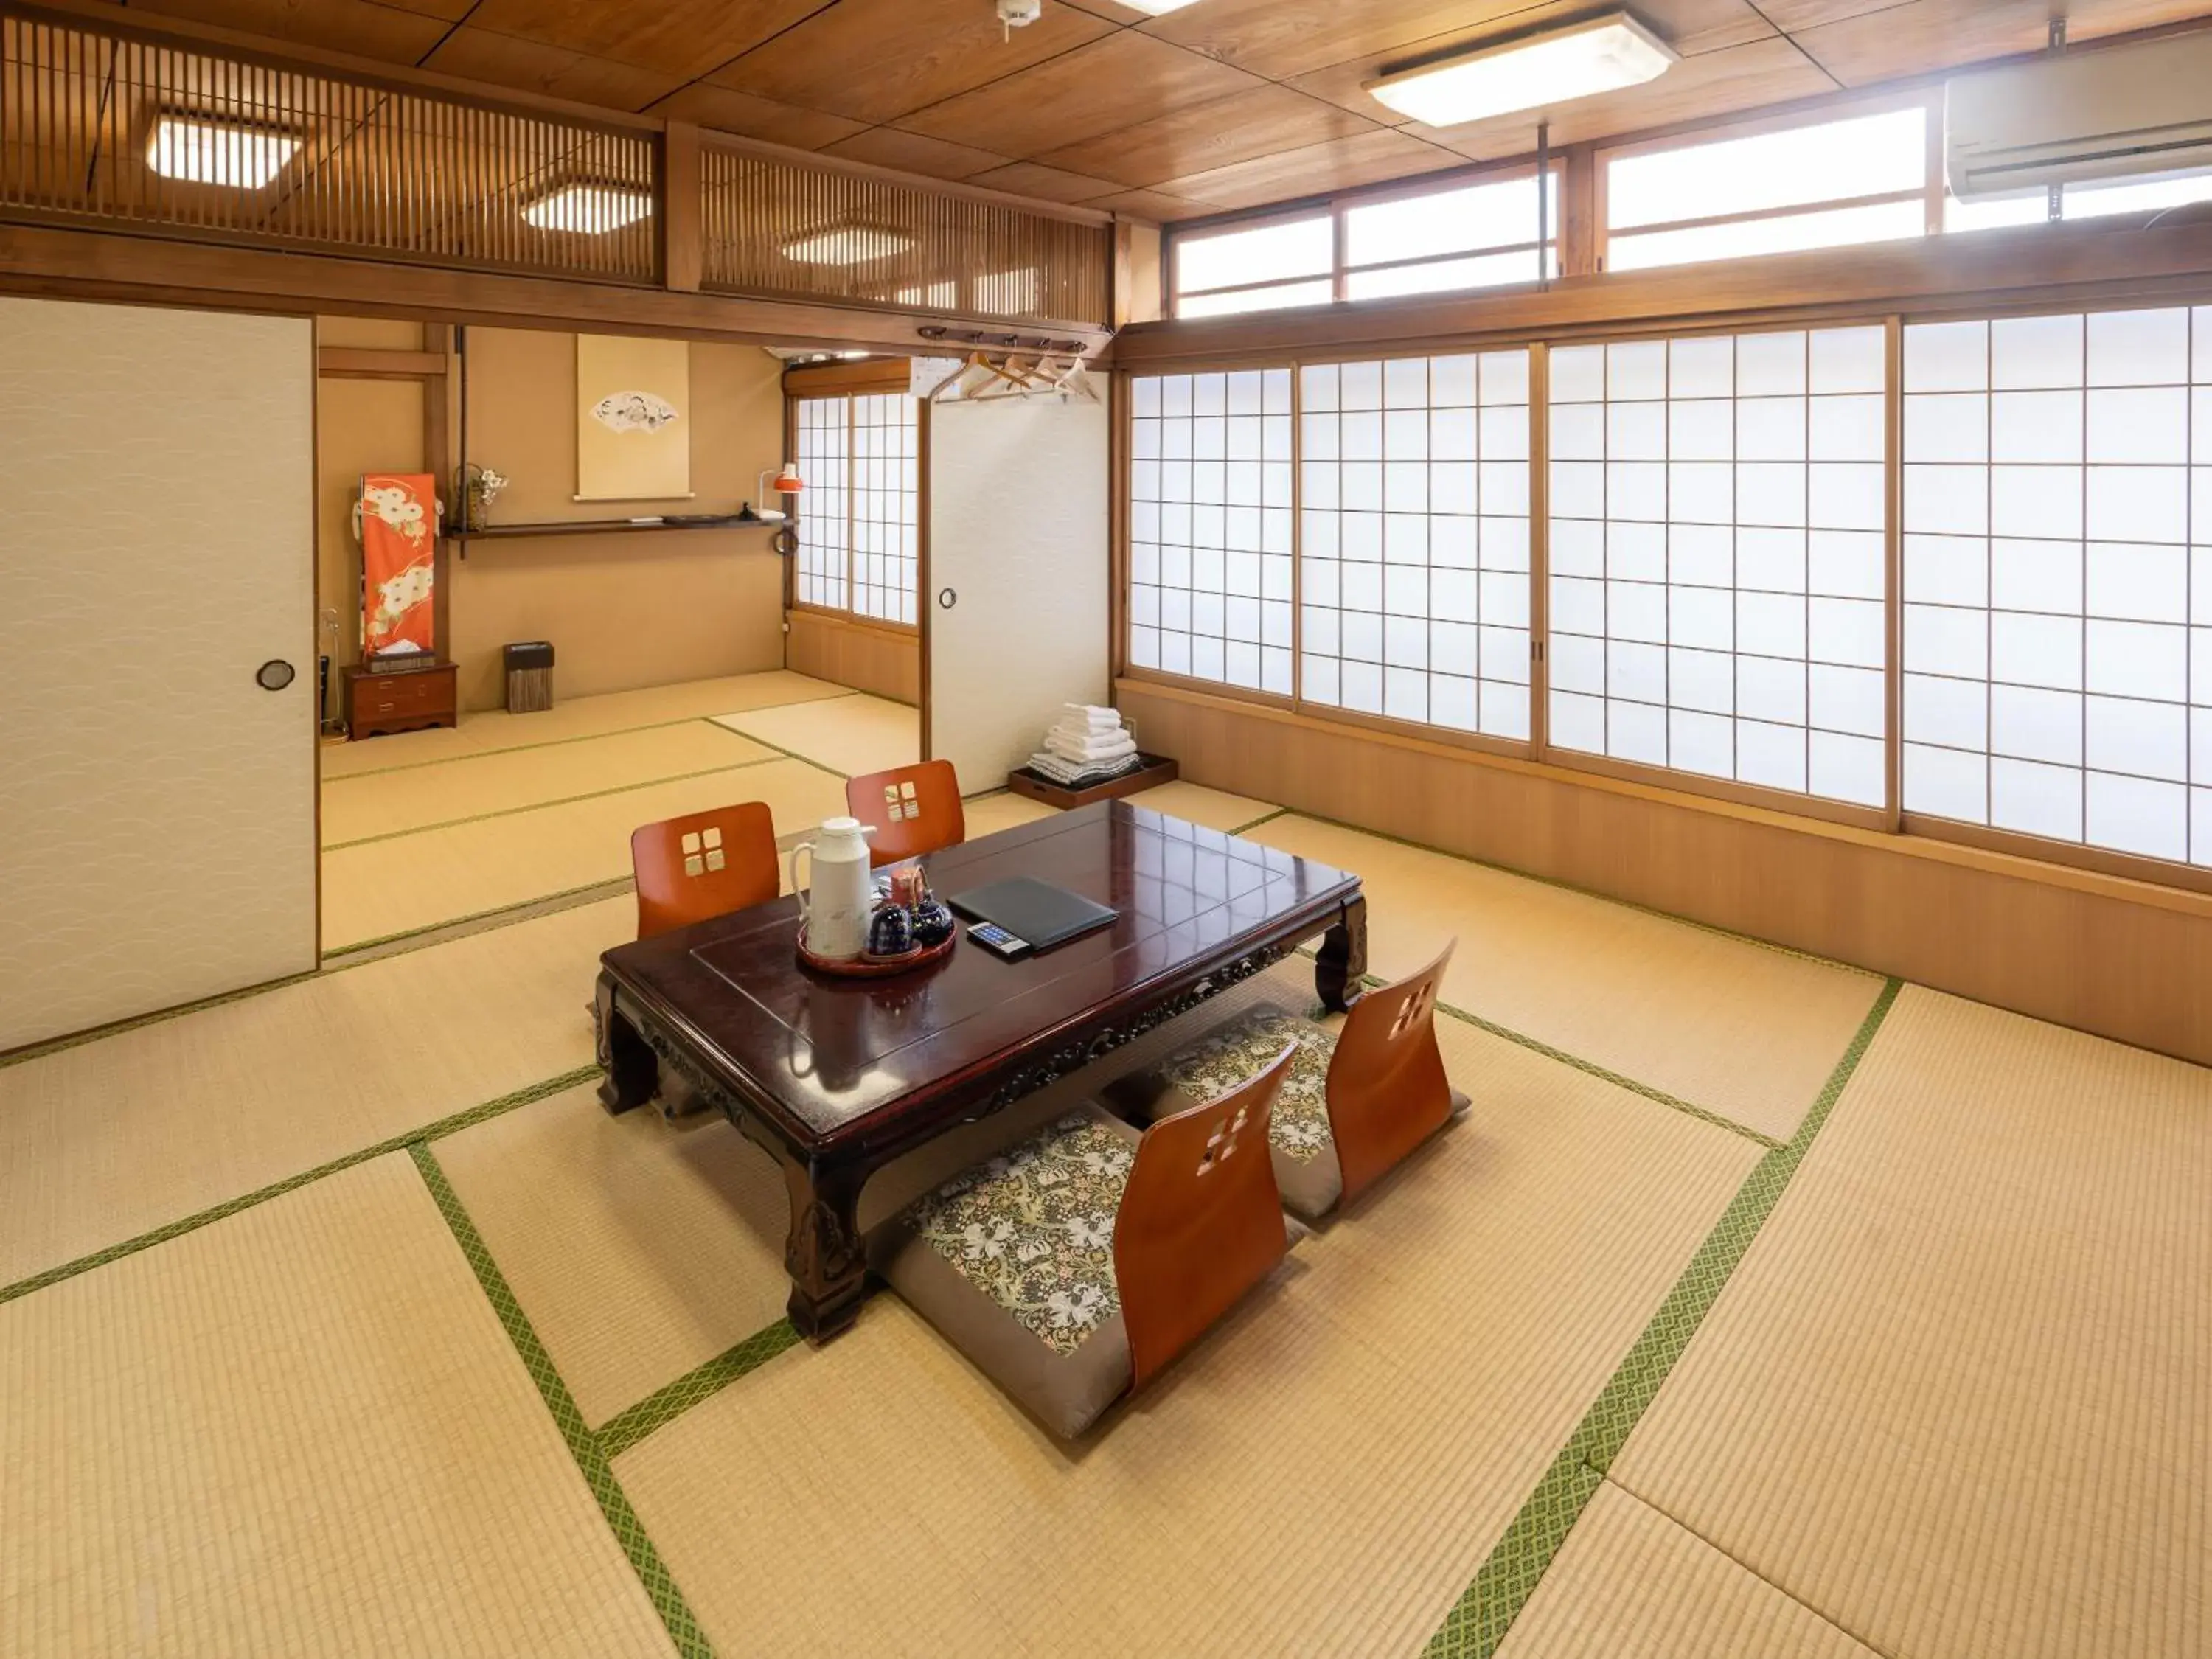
column 157, row 804
column 1016, row 612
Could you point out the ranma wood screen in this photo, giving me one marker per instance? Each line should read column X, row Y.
column 100, row 123
column 774, row 226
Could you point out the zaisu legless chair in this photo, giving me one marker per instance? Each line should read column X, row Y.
column 1075, row 1265
column 914, row 810
column 1357, row 1100
column 706, row 864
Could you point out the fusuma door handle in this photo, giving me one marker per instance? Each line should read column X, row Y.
column 274, row 675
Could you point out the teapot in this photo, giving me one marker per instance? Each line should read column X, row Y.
column 834, row 907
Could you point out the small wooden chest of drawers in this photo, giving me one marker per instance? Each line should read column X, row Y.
column 377, row 703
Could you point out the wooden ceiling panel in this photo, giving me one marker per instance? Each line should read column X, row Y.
column 683, row 38
column 878, row 63
column 1153, row 205
column 1714, row 84
column 748, row 116
column 1693, row 27
column 393, row 33
column 1925, row 35
column 914, row 152
column 1045, row 184
column 1282, row 38
column 1264, row 121
column 503, row 60
column 1120, row 81
column 1372, row 158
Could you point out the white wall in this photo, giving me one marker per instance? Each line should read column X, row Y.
column 1018, row 530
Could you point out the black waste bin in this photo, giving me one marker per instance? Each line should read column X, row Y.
column 529, row 676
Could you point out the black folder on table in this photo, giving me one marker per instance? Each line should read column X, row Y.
column 1043, row 914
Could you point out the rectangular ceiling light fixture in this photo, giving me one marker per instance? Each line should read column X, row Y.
column 207, row 149
column 587, row 208
column 846, row 244
column 1601, row 54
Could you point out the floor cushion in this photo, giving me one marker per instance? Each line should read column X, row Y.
column 1012, row 1261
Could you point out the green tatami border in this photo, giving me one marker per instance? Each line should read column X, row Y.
column 557, row 743
column 1478, row 1622
column 562, row 801
column 583, row 1446
column 435, row 1130
column 670, row 1401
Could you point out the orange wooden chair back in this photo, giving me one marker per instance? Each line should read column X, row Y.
column 1387, row 1088
column 914, row 810
column 1200, row 1222
column 706, row 864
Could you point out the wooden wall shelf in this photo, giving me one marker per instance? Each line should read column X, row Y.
column 606, row 527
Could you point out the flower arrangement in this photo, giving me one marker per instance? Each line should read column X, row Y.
column 480, row 488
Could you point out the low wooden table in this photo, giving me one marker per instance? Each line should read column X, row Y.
column 837, row 1078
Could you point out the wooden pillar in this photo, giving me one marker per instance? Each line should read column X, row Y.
column 682, row 252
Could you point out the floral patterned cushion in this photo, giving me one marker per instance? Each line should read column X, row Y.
column 1033, row 1228
column 1225, row 1058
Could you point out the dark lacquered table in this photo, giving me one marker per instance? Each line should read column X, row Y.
column 838, row 1077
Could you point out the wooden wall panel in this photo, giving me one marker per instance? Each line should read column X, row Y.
column 882, row 660
column 2122, row 959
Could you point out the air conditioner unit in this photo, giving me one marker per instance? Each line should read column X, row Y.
column 2128, row 112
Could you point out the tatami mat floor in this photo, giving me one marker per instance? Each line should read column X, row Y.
column 1757, row 1307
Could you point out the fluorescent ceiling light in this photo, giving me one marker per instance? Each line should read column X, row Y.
column 848, row 245
column 588, row 210
column 208, row 150
column 1601, row 55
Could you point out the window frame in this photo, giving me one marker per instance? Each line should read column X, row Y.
column 1537, row 751
column 1335, row 206
column 846, row 381
column 1849, row 107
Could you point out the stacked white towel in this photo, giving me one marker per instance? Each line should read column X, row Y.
column 1085, row 744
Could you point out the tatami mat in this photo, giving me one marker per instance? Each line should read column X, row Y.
column 445, row 792
column 1324, row 1474
column 851, row 734
column 639, row 1249
column 989, row 814
column 1738, row 1029
column 1958, row 1397
column 495, row 729
column 1629, row 1583
column 384, row 887
column 109, row 1139
column 1214, row 808
column 300, row 1430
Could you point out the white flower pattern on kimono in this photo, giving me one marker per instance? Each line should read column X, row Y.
column 1033, row 1229
column 1242, row 1049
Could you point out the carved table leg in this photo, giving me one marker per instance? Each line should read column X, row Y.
column 824, row 1254
column 633, row 1071
column 1342, row 961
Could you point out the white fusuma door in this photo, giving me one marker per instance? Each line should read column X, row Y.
column 1017, row 602
column 157, row 719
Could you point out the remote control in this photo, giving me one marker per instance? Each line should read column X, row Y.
column 997, row 940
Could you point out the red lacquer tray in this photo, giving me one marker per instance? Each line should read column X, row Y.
column 875, row 967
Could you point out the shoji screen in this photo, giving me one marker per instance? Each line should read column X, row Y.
column 1210, row 526
column 820, row 577
column 2058, row 578
column 1717, row 558
column 886, row 496
column 1414, row 539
